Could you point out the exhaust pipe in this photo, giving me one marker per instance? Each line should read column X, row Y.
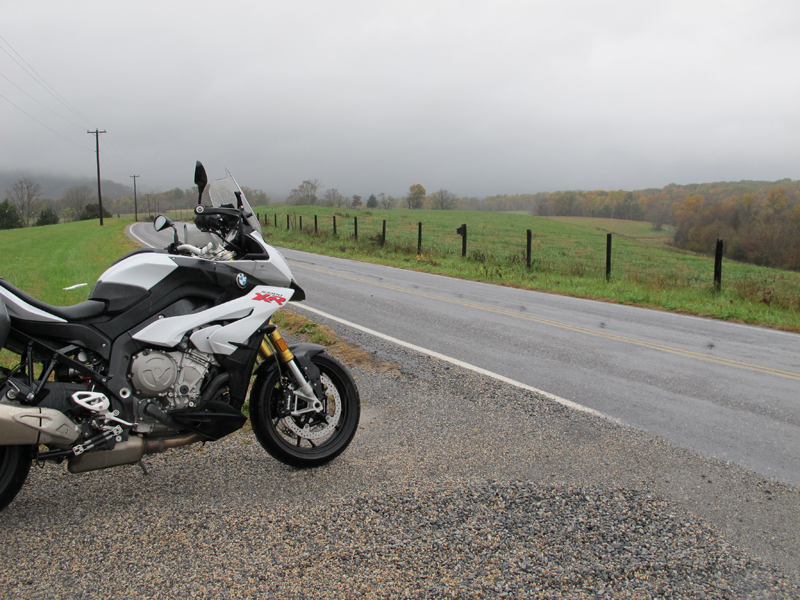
column 32, row 425
column 128, row 452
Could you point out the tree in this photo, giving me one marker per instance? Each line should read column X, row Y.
column 416, row 196
column 255, row 197
column 25, row 195
column 443, row 200
column 356, row 201
column 387, row 201
column 305, row 193
column 47, row 217
column 372, row 201
column 9, row 217
column 77, row 197
column 92, row 211
column 332, row 197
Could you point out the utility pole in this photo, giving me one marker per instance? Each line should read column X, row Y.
column 135, row 209
column 148, row 206
column 96, row 133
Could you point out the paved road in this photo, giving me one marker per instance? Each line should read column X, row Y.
column 726, row 390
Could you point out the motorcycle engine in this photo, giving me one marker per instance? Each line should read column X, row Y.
column 173, row 377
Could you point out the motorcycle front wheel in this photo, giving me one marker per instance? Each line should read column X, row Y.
column 310, row 439
column 15, row 463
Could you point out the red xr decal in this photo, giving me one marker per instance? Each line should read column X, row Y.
column 269, row 298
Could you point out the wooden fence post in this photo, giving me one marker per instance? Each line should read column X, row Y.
column 383, row 236
column 355, row 228
column 301, row 222
column 608, row 257
column 419, row 238
column 462, row 231
column 276, row 219
column 528, row 252
column 287, row 222
column 334, row 224
column 315, row 225
column 718, row 267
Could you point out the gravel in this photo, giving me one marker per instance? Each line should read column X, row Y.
column 455, row 486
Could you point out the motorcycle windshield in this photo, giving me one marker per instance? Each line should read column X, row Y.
column 224, row 191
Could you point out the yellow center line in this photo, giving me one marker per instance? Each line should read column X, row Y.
column 660, row 347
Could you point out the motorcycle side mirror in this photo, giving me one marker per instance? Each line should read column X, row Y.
column 200, row 179
column 161, row 223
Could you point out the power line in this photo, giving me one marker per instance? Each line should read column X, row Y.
column 41, row 80
column 42, row 124
column 40, row 103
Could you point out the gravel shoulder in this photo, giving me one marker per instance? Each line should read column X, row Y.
column 456, row 485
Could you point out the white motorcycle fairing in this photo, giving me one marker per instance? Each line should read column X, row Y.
column 248, row 314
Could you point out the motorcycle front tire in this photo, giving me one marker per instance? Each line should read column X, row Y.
column 306, row 440
column 15, row 463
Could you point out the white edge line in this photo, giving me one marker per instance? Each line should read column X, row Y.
column 563, row 401
column 138, row 239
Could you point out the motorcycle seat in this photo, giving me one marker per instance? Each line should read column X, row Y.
column 76, row 312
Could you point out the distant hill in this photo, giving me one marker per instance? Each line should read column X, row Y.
column 54, row 186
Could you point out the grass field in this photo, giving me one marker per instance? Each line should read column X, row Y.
column 44, row 260
column 568, row 257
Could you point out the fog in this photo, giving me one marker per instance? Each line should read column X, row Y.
column 479, row 98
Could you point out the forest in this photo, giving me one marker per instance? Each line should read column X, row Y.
column 758, row 221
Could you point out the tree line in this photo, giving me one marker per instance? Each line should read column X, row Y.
column 759, row 221
column 309, row 193
column 25, row 206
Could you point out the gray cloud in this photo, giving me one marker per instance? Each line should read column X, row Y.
column 476, row 97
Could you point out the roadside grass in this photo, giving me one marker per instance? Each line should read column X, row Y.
column 42, row 261
column 568, row 257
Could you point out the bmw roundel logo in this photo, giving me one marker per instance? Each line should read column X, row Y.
column 241, row 280
column 199, row 209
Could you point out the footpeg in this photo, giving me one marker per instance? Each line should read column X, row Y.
column 98, row 403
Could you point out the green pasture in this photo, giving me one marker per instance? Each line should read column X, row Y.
column 44, row 260
column 568, row 257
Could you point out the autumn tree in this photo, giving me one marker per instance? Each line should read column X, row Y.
column 305, row 193
column 416, row 196
column 386, row 201
column 332, row 197
column 443, row 200
column 356, row 202
column 255, row 197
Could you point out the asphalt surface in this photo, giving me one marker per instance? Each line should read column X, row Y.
column 724, row 389
column 456, row 485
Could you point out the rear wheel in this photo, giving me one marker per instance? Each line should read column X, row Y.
column 310, row 439
column 15, row 462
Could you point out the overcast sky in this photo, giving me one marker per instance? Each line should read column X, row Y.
column 479, row 98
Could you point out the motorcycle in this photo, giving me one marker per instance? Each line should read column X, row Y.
column 163, row 352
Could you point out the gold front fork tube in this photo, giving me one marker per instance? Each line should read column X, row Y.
column 284, row 354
